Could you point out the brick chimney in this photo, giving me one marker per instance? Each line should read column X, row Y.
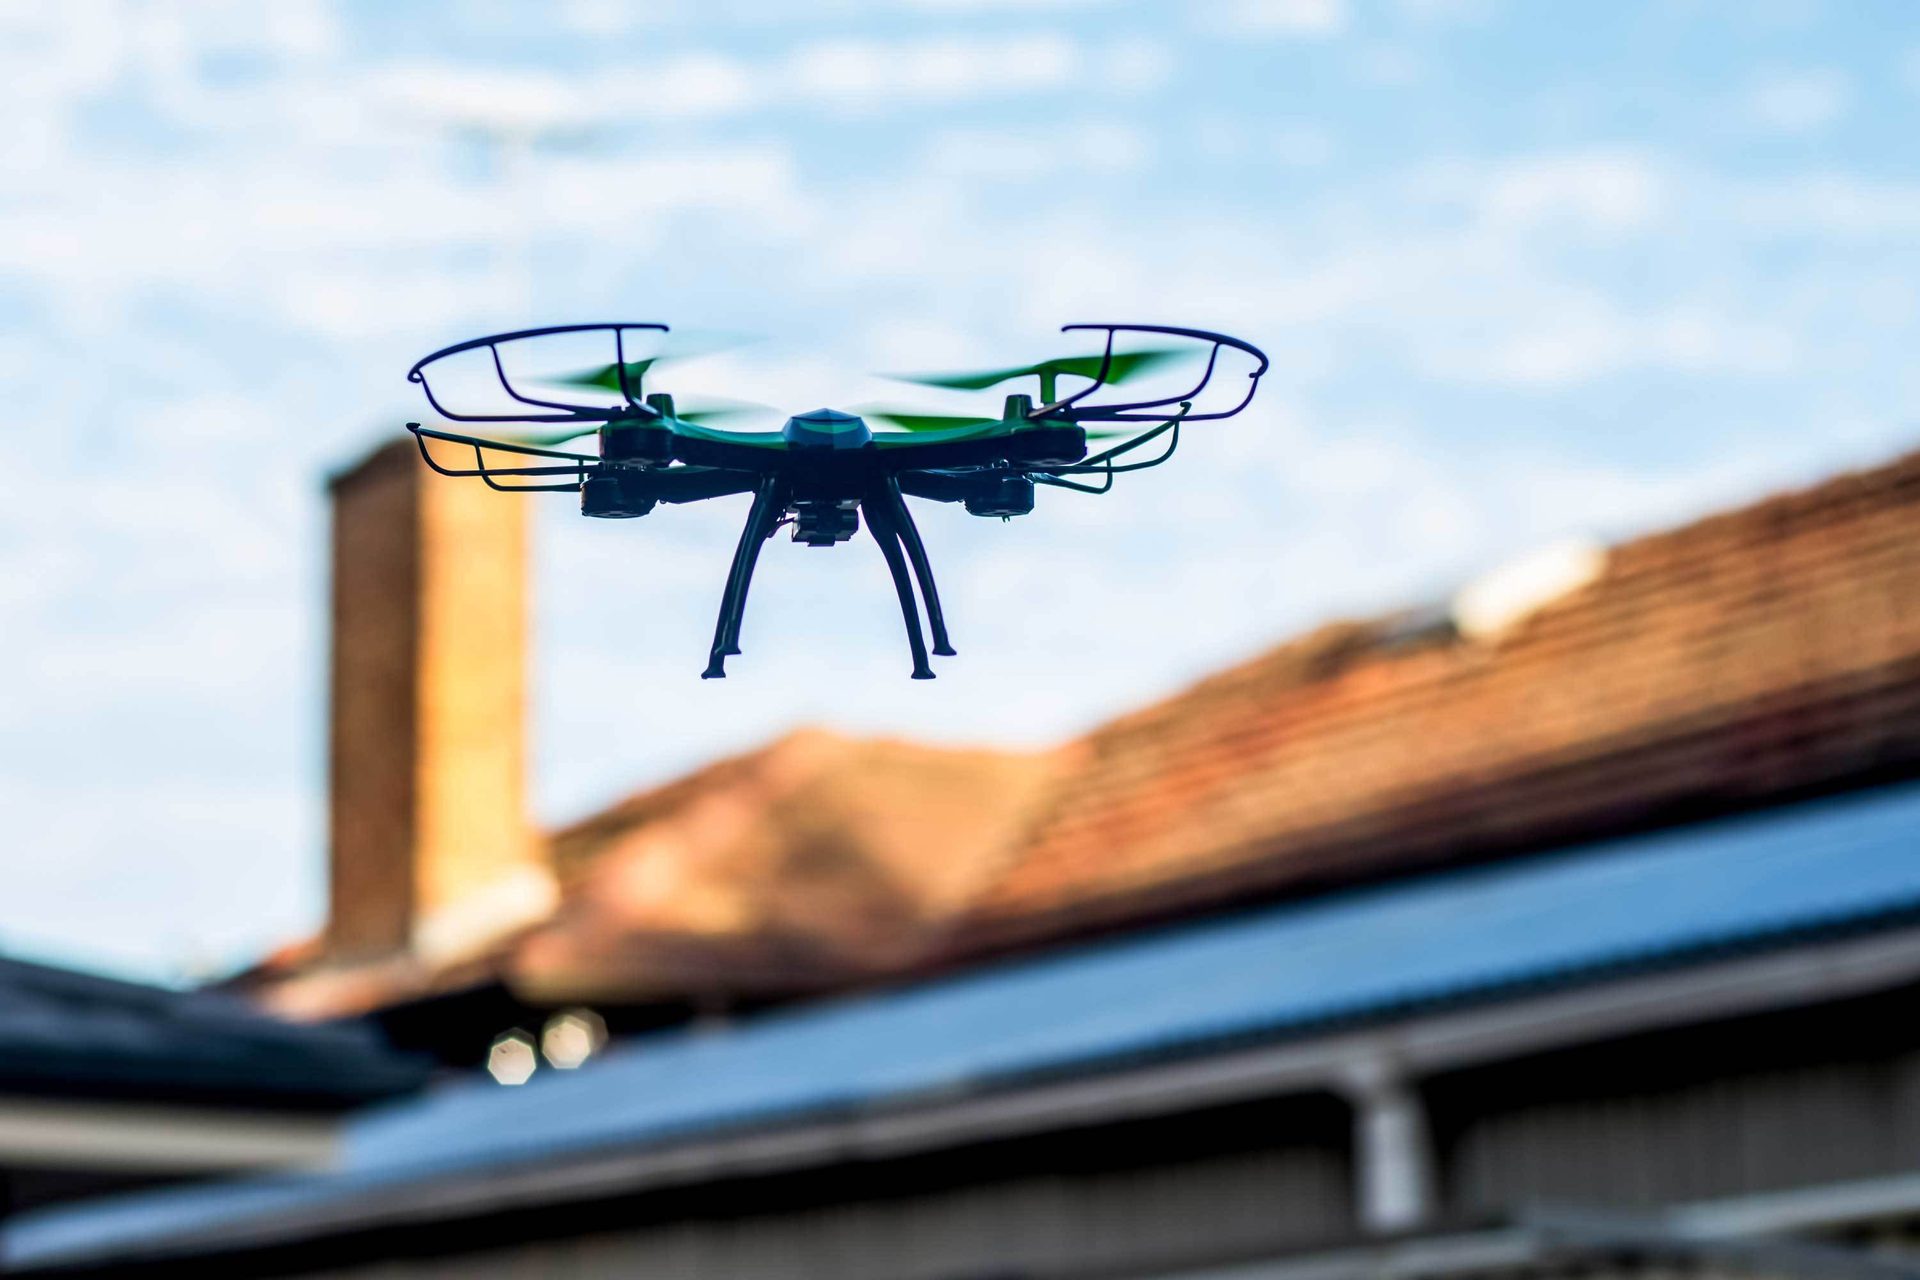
column 430, row 848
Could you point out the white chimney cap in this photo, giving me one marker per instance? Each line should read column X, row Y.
column 1496, row 600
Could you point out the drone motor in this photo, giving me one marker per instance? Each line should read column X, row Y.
column 615, row 496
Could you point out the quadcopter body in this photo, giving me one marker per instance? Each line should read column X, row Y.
column 824, row 470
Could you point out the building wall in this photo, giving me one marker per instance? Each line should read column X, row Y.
column 1795, row 1100
column 471, row 691
column 372, row 810
column 1241, row 1182
column 427, row 757
column 1036, row 1227
column 1761, row 1105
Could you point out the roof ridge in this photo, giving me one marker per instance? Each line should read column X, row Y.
column 1330, row 646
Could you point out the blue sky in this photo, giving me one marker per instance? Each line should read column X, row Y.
column 1526, row 270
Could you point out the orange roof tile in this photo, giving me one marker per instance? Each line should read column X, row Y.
column 811, row 862
column 1737, row 660
column 1768, row 650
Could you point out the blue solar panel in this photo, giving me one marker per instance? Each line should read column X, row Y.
column 1287, row 968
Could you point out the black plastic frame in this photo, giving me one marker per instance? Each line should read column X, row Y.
column 568, row 412
column 1048, row 449
column 1073, row 409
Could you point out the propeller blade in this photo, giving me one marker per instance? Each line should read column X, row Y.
column 1123, row 365
column 910, row 420
column 706, row 411
column 550, row 439
column 679, row 346
column 701, row 415
column 607, row 376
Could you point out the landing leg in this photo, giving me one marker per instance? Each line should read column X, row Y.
column 922, row 569
column 727, row 631
column 771, row 516
column 880, row 525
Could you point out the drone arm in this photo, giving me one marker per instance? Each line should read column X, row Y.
column 1106, row 470
column 693, row 484
column 1171, row 424
column 491, row 474
column 1041, row 477
column 902, row 519
column 937, row 486
column 726, row 455
column 423, row 434
column 1102, row 463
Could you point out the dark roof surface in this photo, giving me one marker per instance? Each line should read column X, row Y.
column 70, row 1033
column 1764, row 881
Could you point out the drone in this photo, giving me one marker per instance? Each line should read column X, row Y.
column 821, row 470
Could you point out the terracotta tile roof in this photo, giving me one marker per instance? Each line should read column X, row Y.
column 1772, row 649
column 815, row 861
column 1738, row 660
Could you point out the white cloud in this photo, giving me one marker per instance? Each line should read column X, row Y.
column 496, row 100
column 1578, row 344
column 355, row 251
column 866, row 74
column 697, row 85
column 1131, row 66
column 1830, row 203
column 1002, row 6
column 1799, row 102
column 1291, row 19
column 1083, row 146
column 1448, row 11
column 1301, row 146
column 848, row 73
column 230, row 862
column 603, row 18
column 1606, row 189
column 1393, row 66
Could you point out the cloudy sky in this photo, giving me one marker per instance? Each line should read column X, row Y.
column 1526, row 270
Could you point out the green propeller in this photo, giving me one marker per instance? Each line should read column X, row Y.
column 913, row 420
column 706, row 414
column 681, row 346
column 608, row 376
column 910, row 420
column 1122, row 366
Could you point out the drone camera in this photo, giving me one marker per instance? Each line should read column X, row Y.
column 821, row 524
column 1003, row 495
column 614, row 497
